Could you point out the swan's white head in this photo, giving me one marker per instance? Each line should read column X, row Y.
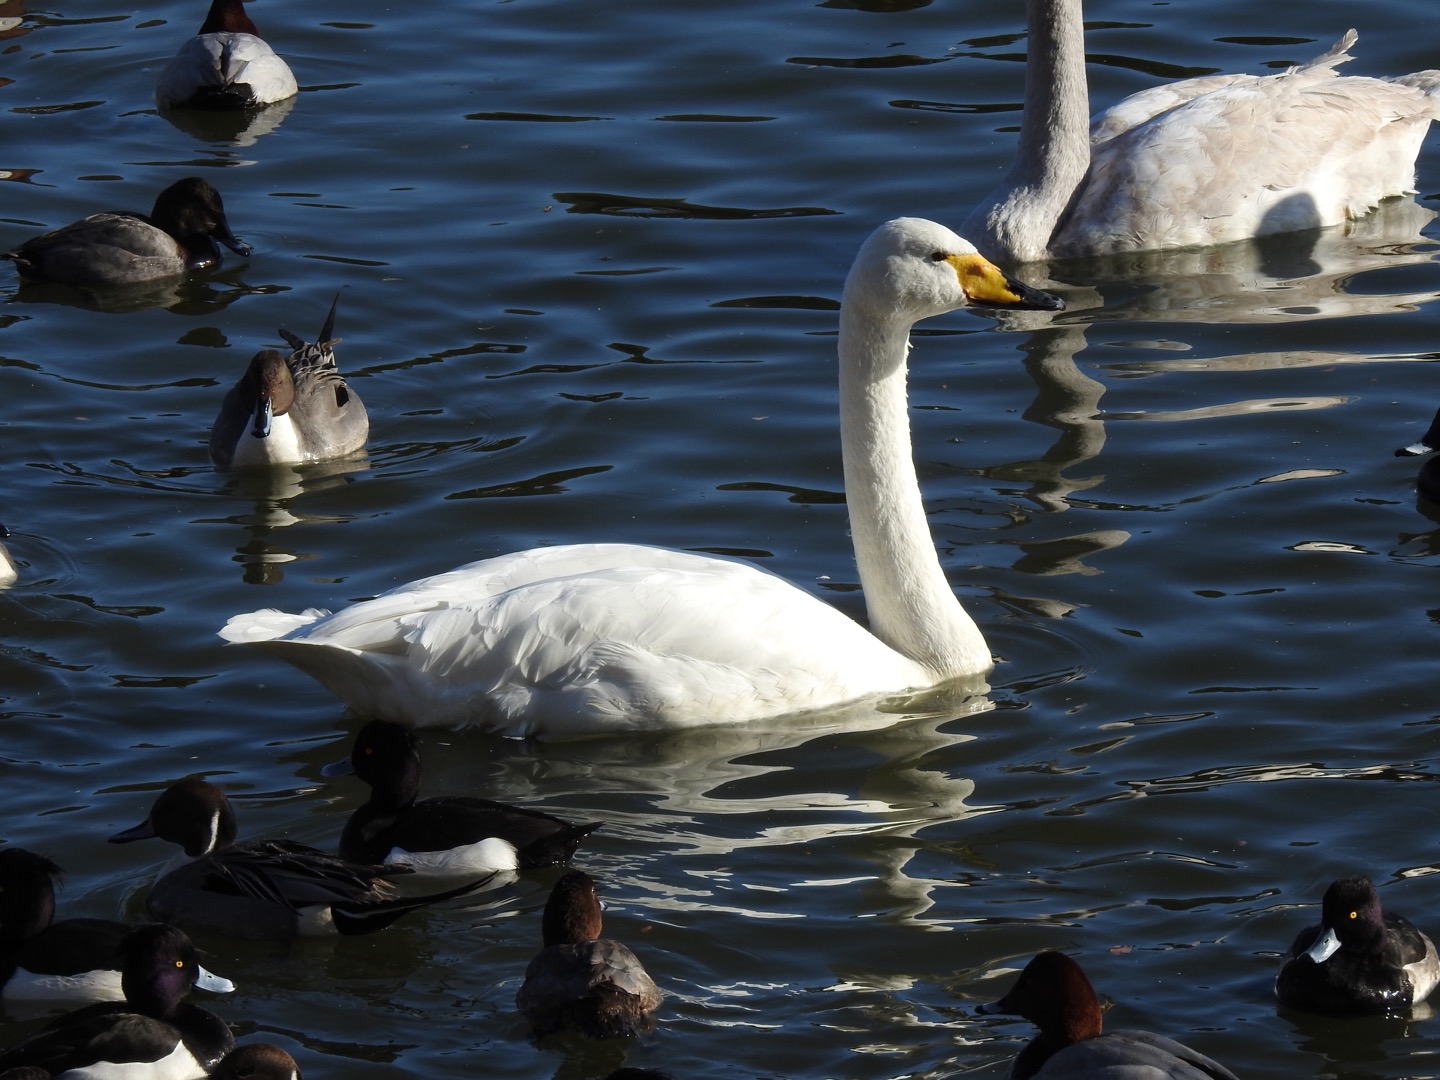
column 914, row 268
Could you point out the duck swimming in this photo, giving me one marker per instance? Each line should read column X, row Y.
column 454, row 834
column 42, row 959
column 8, row 573
column 290, row 409
column 1199, row 162
column 261, row 888
column 1054, row 995
column 152, row 1035
column 587, row 638
column 581, row 981
column 1359, row 960
column 226, row 65
column 118, row 247
column 1427, row 482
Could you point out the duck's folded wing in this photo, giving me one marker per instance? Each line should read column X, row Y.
column 293, row 875
column 1134, row 1055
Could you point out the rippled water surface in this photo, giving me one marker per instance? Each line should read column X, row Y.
column 588, row 258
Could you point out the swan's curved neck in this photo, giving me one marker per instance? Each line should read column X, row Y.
column 1017, row 219
column 907, row 596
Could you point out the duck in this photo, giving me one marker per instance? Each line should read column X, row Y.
column 290, row 409
column 9, row 574
column 256, row 1061
column 1359, row 960
column 1055, row 995
column 446, row 835
column 261, row 888
column 1427, row 482
column 119, row 247
column 593, row 638
column 74, row 960
column 580, row 981
column 226, row 65
column 1199, row 162
column 153, row 1033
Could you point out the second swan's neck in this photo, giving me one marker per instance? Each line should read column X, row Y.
column 909, row 601
column 1015, row 221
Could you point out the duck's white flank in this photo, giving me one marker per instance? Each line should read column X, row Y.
column 482, row 857
column 100, row 984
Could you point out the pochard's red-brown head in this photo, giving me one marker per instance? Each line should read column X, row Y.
column 572, row 914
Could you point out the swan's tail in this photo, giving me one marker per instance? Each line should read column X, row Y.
column 267, row 624
column 371, row 682
column 1333, row 57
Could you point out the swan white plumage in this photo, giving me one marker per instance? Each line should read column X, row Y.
column 609, row 637
column 1198, row 162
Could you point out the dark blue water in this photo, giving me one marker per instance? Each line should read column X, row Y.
column 588, row 257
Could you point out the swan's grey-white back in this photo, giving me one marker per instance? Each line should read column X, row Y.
column 1200, row 162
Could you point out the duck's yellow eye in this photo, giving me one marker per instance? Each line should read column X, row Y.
column 1354, row 914
column 179, row 963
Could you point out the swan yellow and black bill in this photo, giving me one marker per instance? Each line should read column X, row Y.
column 985, row 283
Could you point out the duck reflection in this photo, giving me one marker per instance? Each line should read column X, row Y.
column 237, row 128
column 184, row 296
column 12, row 25
column 275, row 493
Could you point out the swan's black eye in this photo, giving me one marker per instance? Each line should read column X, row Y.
column 937, row 256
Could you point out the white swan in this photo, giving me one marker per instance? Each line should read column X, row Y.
column 605, row 637
column 1199, row 162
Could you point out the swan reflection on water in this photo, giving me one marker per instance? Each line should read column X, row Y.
column 1284, row 279
column 879, row 770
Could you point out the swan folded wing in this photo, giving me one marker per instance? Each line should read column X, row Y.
column 631, row 646
column 585, row 638
column 1132, row 111
column 267, row 624
column 1258, row 156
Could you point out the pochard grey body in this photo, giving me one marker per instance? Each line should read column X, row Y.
column 118, row 247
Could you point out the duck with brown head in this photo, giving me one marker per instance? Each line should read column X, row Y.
column 1054, row 994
